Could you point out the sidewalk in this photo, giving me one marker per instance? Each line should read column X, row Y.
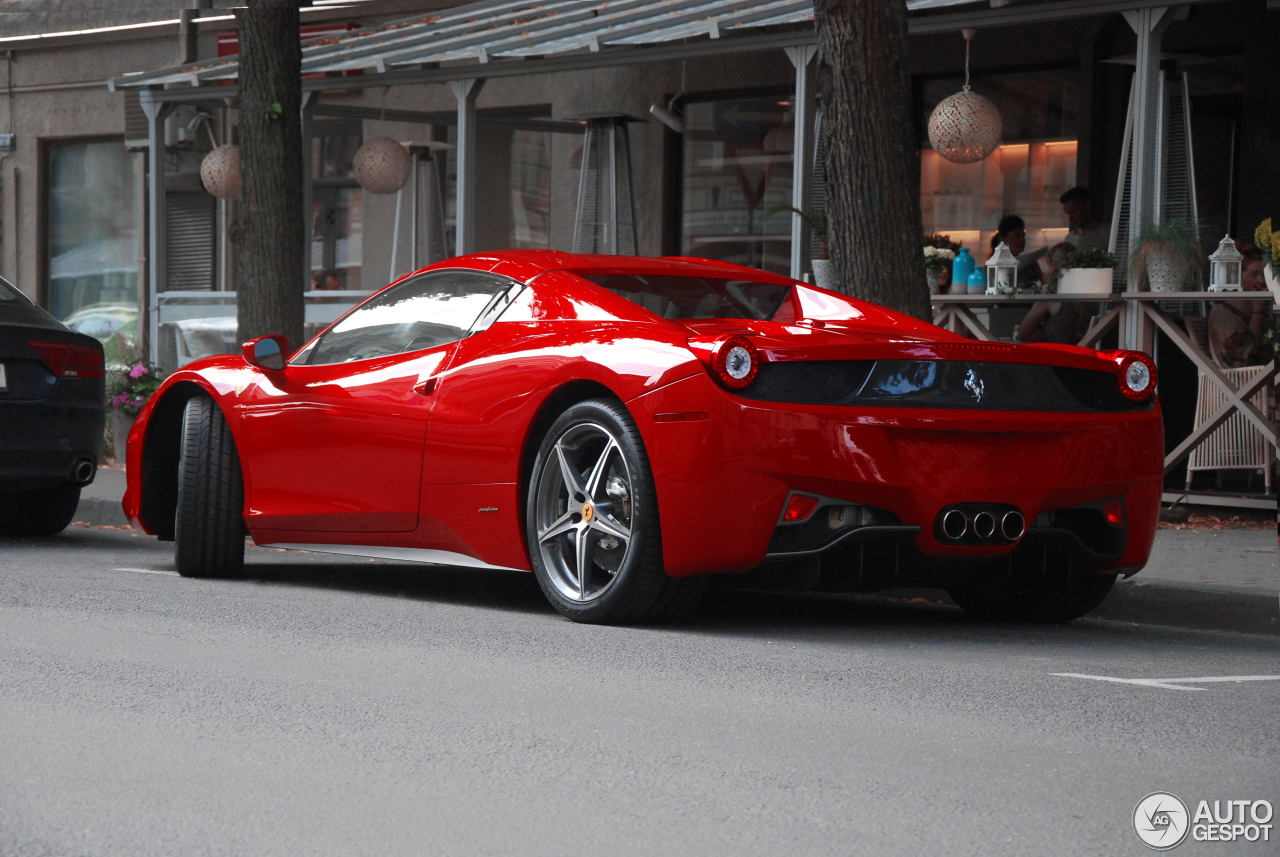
column 1226, row 580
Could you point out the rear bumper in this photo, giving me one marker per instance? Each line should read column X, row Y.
column 722, row 480
column 42, row 441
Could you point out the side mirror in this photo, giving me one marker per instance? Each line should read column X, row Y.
column 266, row 352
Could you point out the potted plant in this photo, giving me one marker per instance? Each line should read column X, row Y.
column 1086, row 272
column 940, row 243
column 1166, row 257
column 1269, row 243
column 824, row 276
column 937, row 258
column 129, row 385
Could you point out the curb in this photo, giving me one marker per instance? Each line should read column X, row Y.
column 99, row 512
column 1238, row 611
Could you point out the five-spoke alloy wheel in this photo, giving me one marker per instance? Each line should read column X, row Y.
column 592, row 522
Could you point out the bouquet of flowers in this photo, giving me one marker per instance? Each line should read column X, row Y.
column 129, row 386
column 937, row 258
column 1269, row 243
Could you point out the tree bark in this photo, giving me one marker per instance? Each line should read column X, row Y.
column 873, row 168
column 268, row 232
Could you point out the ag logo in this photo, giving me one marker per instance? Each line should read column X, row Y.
column 1160, row 819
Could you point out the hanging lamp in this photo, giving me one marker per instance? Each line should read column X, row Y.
column 220, row 172
column 964, row 128
column 381, row 165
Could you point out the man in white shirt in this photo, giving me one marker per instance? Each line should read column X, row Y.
column 1087, row 231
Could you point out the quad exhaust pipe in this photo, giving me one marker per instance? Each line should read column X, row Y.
column 980, row 524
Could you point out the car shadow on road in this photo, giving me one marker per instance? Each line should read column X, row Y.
column 514, row 591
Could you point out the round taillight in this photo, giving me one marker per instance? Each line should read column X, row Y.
column 1137, row 375
column 735, row 362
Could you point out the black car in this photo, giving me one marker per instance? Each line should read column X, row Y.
column 51, row 416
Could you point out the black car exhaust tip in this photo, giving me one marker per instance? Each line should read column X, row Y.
column 1013, row 525
column 955, row 524
column 984, row 525
column 83, row 471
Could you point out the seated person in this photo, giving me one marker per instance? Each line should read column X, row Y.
column 1237, row 331
column 1088, row 232
column 1064, row 322
column 1012, row 230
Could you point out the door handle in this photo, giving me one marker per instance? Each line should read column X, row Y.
column 425, row 388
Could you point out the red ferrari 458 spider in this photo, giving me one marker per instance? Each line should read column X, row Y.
column 625, row 427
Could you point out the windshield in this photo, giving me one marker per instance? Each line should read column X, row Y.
column 680, row 297
column 8, row 294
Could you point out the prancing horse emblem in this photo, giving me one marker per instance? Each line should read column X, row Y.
column 973, row 384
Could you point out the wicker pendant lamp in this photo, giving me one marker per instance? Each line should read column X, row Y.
column 220, row 172
column 381, row 165
column 964, row 128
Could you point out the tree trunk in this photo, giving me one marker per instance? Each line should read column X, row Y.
column 268, row 232
column 873, row 169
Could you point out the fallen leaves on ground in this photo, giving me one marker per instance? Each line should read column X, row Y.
column 1216, row 522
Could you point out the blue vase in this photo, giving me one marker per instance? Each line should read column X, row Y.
column 977, row 281
column 961, row 267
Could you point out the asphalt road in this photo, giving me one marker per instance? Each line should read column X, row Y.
column 329, row 706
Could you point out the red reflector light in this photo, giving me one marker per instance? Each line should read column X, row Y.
column 684, row 417
column 799, row 508
column 1114, row 510
column 70, row 361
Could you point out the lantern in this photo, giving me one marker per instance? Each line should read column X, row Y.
column 964, row 128
column 1002, row 271
column 381, row 165
column 1224, row 267
column 220, row 172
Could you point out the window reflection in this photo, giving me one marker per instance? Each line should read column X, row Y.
column 737, row 167
column 92, row 250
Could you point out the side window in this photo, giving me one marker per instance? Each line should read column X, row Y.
column 430, row 310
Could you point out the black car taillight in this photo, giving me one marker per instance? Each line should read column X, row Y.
column 70, row 361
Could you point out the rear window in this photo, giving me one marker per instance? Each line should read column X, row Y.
column 694, row 297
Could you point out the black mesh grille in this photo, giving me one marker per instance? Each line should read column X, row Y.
column 810, row 382
column 965, row 384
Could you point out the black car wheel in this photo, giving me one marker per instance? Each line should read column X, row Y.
column 209, row 524
column 39, row 513
column 592, row 522
column 1067, row 598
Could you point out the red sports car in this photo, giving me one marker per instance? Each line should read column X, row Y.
column 625, row 427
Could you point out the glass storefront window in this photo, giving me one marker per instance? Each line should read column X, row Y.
column 737, row 167
column 530, row 190
column 92, row 237
column 513, row 188
column 337, row 212
column 1024, row 176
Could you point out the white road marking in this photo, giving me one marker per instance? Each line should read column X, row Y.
column 149, row 571
column 1173, row 683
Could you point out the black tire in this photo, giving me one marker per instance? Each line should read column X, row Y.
column 39, row 513
column 637, row 589
column 209, row 522
column 1059, row 601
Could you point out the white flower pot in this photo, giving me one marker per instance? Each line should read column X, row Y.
column 932, row 275
column 824, row 274
column 1085, row 281
column 1272, row 282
